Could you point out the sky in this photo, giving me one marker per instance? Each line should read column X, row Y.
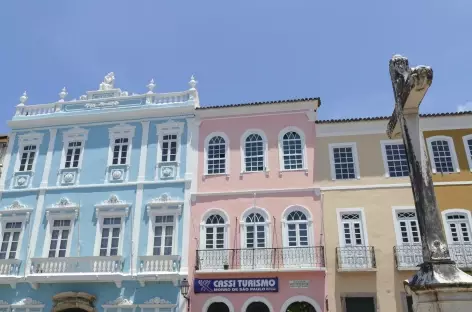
column 240, row 51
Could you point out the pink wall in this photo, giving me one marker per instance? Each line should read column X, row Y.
column 234, row 128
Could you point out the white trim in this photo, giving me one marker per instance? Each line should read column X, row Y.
column 31, row 138
column 49, row 229
column 48, row 162
column 355, row 156
column 383, row 143
column 227, row 153
column 258, row 191
column 452, row 148
column 267, row 223
column 257, row 299
column 169, row 128
column 243, row 149
column 396, row 226
column 143, row 152
column 444, row 214
column 465, row 138
column 203, row 226
column 137, row 215
column 281, row 149
column 216, row 299
column 121, row 131
column 74, row 135
column 157, row 303
column 24, row 221
column 37, row 221
column 340, row 211
column 7, row 160
column 309, row 223
column 294, row 299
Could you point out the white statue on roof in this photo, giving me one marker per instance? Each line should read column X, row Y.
column 108, row 82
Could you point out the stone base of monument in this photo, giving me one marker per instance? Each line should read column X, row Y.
column 440, row 287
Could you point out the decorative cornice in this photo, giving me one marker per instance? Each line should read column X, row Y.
column 120, row 301
column 165, row 201
column 27, row 301
column 64, row 205
column 113, row 204
column 16, row 205
column 157, row 300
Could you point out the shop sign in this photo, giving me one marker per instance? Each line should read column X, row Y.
column 237, row 285
column 299, row 283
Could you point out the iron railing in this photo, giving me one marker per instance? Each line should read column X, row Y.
column 355, row 258
column 260, row 258
column 411, row 255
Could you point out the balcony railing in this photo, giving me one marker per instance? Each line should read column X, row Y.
column 290, row 258
column 71, row 265
column 169, row 263
column 356, row 258
column 410, row 256
column 9, row 267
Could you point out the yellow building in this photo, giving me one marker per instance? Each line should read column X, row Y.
column 3, row 149
column 372, row 241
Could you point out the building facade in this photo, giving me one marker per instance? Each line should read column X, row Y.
column 95, row 198
column 3, row 149
column 372, row 236
column 256, row 229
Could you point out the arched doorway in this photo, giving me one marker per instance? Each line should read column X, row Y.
column 301, row 306
column 257, row 306
column 73, row 302
column 218, row 307
column 74, row 310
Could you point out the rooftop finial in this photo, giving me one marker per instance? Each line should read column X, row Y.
column 23, row 99
column 63, row 94
column 192, row 82
column 151, row 86
column 108, row 82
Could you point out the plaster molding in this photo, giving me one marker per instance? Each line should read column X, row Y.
column 137, row 217
column 119, row 302
column 257, row 191
column 28, row 302
column 64, row 207
column 48, row 161
column 113, row 205
column 164, row 204
column 157, row 301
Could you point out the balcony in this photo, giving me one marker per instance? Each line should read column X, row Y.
column 261, row 259
column 356, row 258
column 408, row 257
column 9, row 267
column 76, row 269
column 159, row 268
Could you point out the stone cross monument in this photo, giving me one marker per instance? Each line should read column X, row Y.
column 439, row 285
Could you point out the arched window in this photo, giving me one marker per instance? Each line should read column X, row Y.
column 215, row 232
column 292, row 150
column 442, row 154
column 254, row 150
column 297, row 229
column 256, row 236
column 216, row 155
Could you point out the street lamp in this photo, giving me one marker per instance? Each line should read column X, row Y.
column 184, row 289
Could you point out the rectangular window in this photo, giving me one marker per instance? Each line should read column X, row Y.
column 395, row 156
column 408, row 226
column 10, row 240
column 344, row 162
column 163, row 235
column 27, row 158
column 59, row 238
column 120, row 151
column 111, row 229
column 73, row 154
column 352, row 229
column 442, row 156
column 169, row 147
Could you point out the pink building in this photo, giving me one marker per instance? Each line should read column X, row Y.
column 256, row 240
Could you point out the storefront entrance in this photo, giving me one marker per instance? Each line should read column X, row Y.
column 301, row 307
column 218, row 307
column 257, row 307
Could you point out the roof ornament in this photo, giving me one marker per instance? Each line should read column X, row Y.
column 63, row 94
column 192, row 83
column 151, row 86
column 23, row 99
column 108, row 82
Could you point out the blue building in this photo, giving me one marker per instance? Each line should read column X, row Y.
column 95, row 194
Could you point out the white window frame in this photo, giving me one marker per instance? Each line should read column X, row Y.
column 227, row 151
column 163, row 206
column 265, row 149
column 281, row 148
column 267, row 223
column 33, row 138
column 383, row 144
column 111, row 208
column 360, row 211
column 465, row 138
column 73, row 135
column 169, row 128
column 3, row 229
column 355, row 156
column 62, row 210
column 157, row 303
column 285, row 223
column 204, row 226
column 452, row 148
column 121, row 131
column 16, row 212
column 446, row 212
column 398, row 232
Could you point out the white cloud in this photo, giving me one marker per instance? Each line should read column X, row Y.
column 464, row 108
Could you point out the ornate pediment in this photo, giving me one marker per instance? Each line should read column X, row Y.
column 165, row 202
column 27, row 301
column 113, row 204
column 157, row 300
column 63, row 206
column 16, row 205
column 15, row 209
column 120, row 301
